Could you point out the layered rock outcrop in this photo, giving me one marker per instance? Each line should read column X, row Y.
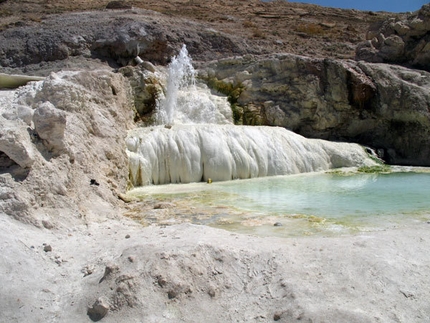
column 400, row 41
column 113, row 36
column 383, row 106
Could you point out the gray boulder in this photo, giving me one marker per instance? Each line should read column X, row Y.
column 15, row 143
column 401, row 41
column 49, row 124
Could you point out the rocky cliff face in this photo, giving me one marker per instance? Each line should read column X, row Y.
column 383, row 106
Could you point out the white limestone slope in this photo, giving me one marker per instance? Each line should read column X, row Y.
column 193, row 153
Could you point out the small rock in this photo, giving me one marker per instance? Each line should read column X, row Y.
column 278, row 224
column 47, row 248
column 161, row 281
column 94, row 182
column 125, row 198
column 138, row 60
column 118, row 5
column 99, row 309
column 276, row 317
column 172, row 294
column 212, row 292
column 163, row 205
column 148, row 66
column 47, row 225
column 127, row 236
column 87, row 270
column 131, row 258
column 108, row 270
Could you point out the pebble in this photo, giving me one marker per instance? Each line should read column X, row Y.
column 87, row 270
column 99, row 309
column 47, row 248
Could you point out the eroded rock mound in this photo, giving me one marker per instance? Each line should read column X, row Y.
column 56, row 136
column 400, row 41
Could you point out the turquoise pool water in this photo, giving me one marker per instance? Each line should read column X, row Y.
column 317, row 203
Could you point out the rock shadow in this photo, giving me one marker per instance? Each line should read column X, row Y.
column 7, row 165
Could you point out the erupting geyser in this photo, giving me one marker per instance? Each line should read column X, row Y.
column 185, row 101
column 181, row 75
column 202, row 143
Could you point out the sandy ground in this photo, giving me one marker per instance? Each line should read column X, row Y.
column 189, row 273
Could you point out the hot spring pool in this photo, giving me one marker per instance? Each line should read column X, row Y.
column 304, row 204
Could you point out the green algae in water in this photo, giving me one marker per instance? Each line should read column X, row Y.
column 374, row 169
column 308, row 204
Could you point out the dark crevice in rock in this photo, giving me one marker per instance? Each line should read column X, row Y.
column 7, row 165
column 360, row 95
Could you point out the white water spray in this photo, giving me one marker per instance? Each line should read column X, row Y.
column 187, row 102
column 181, row 74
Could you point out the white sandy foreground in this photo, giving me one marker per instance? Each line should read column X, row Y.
column 189, row 273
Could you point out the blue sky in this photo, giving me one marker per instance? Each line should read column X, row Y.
column 374, row 5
